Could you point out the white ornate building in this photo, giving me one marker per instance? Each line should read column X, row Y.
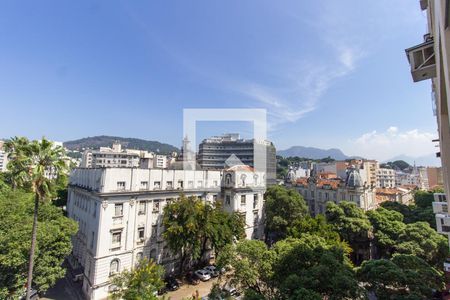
column 318, row 191
column 119, row 212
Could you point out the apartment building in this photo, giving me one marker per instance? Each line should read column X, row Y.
column 317, row 191
column 116, row 157
column 385, row 178
column 119, row 212
column 215, row 151
column 435, row 177
column 430, row 59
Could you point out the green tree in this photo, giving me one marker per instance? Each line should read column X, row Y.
column 423, row 241
column 401, row 277
column 311, row 267
column 193, row 226
column 251, row 263
column 387, row 224
column 315, row 226
column 35, row 166
column 353, row 226
column 52, row 246
column 283, row 207
column 141, row 283
column 182, row 223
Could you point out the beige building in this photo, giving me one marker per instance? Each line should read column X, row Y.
column 430, row 59
column 385, row 178
column 3, row 157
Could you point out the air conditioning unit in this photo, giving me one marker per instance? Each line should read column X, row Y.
column 422, row 60
column 423, row 4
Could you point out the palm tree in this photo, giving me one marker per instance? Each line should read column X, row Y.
column 35, row 166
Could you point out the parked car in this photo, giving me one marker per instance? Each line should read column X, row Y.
column 34, row 295
column 171, row 283
column 212, row 270
column 231, row 290
column 203, row 275
column 191, row 278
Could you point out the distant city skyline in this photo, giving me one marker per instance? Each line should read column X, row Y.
column 330, row 74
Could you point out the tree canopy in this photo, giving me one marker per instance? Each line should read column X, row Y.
column 387, row 224
column 193, row 226
column 53, row 242
column 141, row 283
column 283, row 208
column 401, row 277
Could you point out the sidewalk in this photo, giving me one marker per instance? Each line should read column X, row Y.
column 187, row 290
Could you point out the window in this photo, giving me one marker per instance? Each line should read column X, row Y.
column 154, row 231
column 255, row 201
column 144, row 185
column 243, row 177
column 227, row 200
column 255, row 219
column 215, row 183
column 156, row 206
column 141, row 233
column 190, row 184
column 243, row 200
column 142, row 206
column 157, row 185
column 180, row 184
column 114, row 267
column 169, row 185
column 312, row 194
column 118, row 210
column 116, row 238
column 228, row 179
column 92, row 239
column 120, row 185
column 94, row 213
column 139, row 256
column 199, row 184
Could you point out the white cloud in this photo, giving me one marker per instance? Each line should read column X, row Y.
column 393, row 142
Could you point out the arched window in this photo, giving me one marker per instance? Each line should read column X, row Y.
column 255, row 179
column 153, row 255
column 228, row 179
column 114, row 267
column 243, row 177
column 139, row 257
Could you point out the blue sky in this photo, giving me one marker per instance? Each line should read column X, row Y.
column 330, row 73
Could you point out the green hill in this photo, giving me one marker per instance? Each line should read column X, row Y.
column 96, row 142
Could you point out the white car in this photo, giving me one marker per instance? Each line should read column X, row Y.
column 212, row 270
column 203, row 275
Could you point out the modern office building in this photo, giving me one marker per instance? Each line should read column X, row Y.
column 119, row 212
column 214, row 152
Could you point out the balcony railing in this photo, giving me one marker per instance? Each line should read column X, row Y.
column 422, row 60
column 443, row 223
column 440, row 207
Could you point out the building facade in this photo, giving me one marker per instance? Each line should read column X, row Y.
column 318, row 191
column 116, row 157
column 385, row 178
column 214, row 152
column 119, row 212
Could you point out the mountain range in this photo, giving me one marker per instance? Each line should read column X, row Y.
column 95, row 142
column 313, row 153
